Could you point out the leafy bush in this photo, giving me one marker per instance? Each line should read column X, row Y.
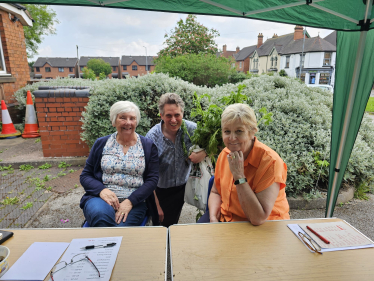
column 89, row 74
column 283, row 73
column 238, row 77
column 99, row 66
column 370, row 105
column 300, row 132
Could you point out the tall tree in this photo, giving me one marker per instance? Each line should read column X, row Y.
column 99, row 66
column 189, row 37
column 44, row 24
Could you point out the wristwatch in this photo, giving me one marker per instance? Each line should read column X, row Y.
column 240, row 181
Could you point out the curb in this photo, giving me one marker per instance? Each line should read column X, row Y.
column 53, row 161
column 319, row 203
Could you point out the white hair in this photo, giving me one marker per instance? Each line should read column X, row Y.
column 122, row 107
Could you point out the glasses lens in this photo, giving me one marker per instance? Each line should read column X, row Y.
column 58, row 267
column 310, row 243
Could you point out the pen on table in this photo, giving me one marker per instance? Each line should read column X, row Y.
column 318, row 235
column 98, row 246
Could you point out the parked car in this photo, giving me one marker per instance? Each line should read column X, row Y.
column 322, row 86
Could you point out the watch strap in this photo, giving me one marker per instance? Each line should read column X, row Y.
column 240, row 181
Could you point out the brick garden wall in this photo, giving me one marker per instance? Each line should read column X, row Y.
column 60, row 127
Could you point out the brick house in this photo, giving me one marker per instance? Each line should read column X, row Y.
column 14, row 69
column 242, row 57
column 51, row 68
column 113, row 61
column 136, row 65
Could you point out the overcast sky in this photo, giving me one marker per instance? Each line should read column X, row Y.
column 117, row 32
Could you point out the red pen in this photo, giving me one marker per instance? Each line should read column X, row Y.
column 318, row 235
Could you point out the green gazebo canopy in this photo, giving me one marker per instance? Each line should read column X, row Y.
column 354, row 74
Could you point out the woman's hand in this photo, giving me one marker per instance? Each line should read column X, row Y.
column 160, row 213
column 123, row 211
column 236, row 163
column 215, row 217
column 109, row 197
column 197, row 157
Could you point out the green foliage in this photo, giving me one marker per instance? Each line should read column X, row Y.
column 99, row 66
column 313, row 194
column 28, row 205
column 198, row 215
column 45, row 166
column 88, row 74
column 61, row 174
column 9, row 201
column 200, row 69
column 63, row 164
column 37, row 140
column 370, row 105
column 6, row 168
column 238, row 77
column 43, row 24
column 283, row 73
column 26, row 167
column 189, row 37
column 47, row 178
column 102, row 76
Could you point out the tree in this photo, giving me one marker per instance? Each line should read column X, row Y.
column 189, row 37
column 44, row 24
column 200, row 69
column 99, row 66
column 88, row 74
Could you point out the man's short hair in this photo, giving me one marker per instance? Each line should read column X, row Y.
column 170, row 98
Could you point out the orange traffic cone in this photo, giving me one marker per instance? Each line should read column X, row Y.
column 8, row 131
column 31, row 124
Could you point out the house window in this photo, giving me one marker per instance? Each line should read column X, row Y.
column 114, row 68
column 71, row 69
column 134, row 67
column 233, row 65
column 275, row 61
column 272, row 62
column 148, row 68
column 327, row 59
column 37, row 69
column 125, row 67
column 82, row 68
column 2, row 61
column 60, row 69
column 287, row 61
column 240, row 65
column 47, row 69
column 324, row 78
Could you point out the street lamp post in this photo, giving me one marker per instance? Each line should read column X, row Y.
column 79, row 75
column 146, row 61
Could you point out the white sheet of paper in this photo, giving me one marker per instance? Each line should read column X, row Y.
column 295, row 228
column 103, row 258
column 36, row 262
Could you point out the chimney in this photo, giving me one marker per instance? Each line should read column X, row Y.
column 260, row 40
column 224, row 48
column 298, row 34
column 237, row 50
column 275, row 36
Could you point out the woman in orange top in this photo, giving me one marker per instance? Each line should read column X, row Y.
column 250, row 177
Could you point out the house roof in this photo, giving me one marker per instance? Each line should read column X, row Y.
column 56, row 62
column 245, row 52
column 140, row 60
column 315, row 44
column 113, row 61
column 226, row 54
column 278, row 42
column 18, row 11
column 331, row 38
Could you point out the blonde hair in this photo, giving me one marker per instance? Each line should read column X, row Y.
column 242, row 112
column 122, row 107
column 170, row 98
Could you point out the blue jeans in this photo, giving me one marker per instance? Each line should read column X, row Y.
column 98, row 213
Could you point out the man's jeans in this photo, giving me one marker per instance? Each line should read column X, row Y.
column 98, row 213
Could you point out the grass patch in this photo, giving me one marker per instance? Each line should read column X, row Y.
column 45, row 166
column 63, row 165
column 26, row 167
column 28, row 205
column 362, row 189
column 370, row 105
column 10, row 201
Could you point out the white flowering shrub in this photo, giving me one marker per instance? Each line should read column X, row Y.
column 300, row 132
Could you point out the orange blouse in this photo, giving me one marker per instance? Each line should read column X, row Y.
column 262, row 168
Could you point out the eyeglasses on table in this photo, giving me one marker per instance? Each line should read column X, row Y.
column 309, row 242
column 77, row 258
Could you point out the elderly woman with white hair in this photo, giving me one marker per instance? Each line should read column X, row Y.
column 121, row 173
column 250, row 178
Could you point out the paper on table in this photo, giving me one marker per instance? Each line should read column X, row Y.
column 36, row 262
column 338, row 233
column 103, row 258
column 295, row 228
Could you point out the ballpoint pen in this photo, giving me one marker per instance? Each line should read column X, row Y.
column 318, row 235
column 98, row 246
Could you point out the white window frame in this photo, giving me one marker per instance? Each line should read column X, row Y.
column 288, row 59
column 134, row 68
column 60, row 69
column 240, row 65
column 2, row 72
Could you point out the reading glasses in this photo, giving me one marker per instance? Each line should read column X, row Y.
column 77, row 258
column 309, row 242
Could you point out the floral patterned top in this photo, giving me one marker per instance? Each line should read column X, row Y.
column 122, row 173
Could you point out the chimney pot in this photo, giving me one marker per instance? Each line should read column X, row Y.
column 224, row 48
column 260, row 39
column 237, row 49
column 298, row 34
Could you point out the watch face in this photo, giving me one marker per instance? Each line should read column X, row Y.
column 240, row 181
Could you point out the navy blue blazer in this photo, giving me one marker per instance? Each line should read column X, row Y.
column 92, row 176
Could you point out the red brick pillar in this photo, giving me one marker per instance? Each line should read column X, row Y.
column 59, row 124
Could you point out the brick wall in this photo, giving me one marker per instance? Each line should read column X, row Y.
column 15, row 56
column 60, row 127
column 140, row 71
column 54, row 72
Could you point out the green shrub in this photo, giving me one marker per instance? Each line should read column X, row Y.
column 88, row 74
column 370, row 105
column 300, row 132
column 283, row 73
column 238, row 77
